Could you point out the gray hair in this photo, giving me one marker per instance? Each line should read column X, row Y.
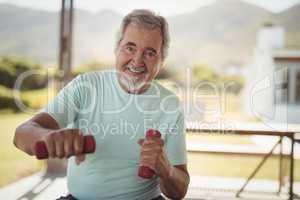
column 147, row 19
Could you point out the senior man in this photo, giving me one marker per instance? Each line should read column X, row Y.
column 117, row 107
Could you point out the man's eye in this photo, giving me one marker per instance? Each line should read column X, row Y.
column 129, row 49
column 150, row 54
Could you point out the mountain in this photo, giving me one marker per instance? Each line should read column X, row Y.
column 29, row 33
column 219, row 34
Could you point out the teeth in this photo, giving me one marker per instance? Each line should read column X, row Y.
column 136, row 69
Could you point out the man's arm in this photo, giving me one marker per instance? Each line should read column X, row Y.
column 60, row 143
column 174, row 180
column 33, row 130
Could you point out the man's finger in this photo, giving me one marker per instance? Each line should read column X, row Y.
column 68, row 146
column 158, row 141
column 59, row 147
column 148, row 162
column 141, row 141
column 79, row 158
column 50, row 147
column 78, row 143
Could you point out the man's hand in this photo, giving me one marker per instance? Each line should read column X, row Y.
column 153, row 155
column 63, row 143
column 173, row 180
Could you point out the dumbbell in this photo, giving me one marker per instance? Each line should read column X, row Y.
column 146, row 172
column 42, row 152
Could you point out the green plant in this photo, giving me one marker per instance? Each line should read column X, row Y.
column 12, row 67
column 7, row 100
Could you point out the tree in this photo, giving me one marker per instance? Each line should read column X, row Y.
column 12, row 67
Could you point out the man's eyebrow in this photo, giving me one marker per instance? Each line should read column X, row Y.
column 133, row 44
column 151, row 49
column 130, row 44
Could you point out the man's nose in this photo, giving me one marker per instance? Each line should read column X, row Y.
column 138, row 58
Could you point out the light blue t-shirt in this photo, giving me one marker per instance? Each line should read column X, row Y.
column 96, row 103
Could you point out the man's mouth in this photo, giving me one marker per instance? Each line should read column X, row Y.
column 136, row 69
column 134, row 77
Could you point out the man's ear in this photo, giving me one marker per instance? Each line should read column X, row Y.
column 160, row 66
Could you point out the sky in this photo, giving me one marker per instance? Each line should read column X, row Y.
column 165, row 7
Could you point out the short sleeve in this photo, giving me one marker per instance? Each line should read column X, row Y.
column 176, row 143
column 65, row 106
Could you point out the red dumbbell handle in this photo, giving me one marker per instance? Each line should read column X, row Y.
column 146, row 172
column 42, row 152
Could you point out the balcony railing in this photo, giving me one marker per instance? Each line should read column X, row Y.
column 257, row 129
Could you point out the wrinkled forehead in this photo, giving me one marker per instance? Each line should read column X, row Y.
column 142, row 36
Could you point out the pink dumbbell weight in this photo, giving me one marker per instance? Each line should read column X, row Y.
column 146, row 172
column 42, row 152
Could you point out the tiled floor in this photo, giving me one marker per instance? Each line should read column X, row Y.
column 41, row 187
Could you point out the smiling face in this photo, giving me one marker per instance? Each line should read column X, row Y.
column 138, row 58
